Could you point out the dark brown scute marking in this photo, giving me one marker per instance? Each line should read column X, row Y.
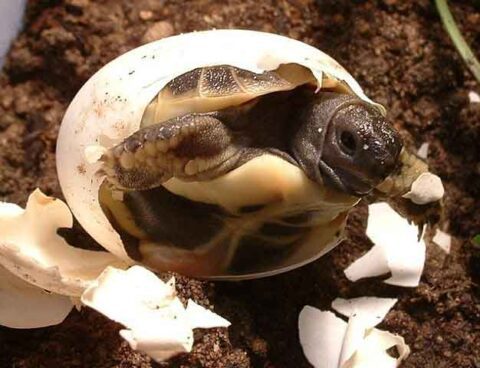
column 272, row 230
column 251, row 209
column 130, row 242
column 184, row 83
column 166, row 217
column 255, row 254
column 300, row 218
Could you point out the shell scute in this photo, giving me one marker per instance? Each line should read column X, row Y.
column 219, row 81
column 184, row 83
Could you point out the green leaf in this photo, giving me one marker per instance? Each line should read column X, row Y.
column 456, row 36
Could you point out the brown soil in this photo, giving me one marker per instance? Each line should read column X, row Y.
column 400, row 54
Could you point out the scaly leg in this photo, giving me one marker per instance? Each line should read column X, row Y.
column 191, row 147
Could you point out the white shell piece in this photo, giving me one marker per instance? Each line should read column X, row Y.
column 353, row 338
column 329, row 342
column 371, row 264
column 31, row 249
column 162, row 344
column 321, row 336
column 199, row 317
column 443, row 240
column 156, row 320
column 373, row 351
column 473, row 97
column 23, row 305
column 364, row 313
column 372, row 309
column 425, row 189
column 112, row 102
column 397, row 249
column 423, row 151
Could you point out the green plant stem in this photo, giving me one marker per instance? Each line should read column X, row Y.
column 476, row 240
column 457, row 38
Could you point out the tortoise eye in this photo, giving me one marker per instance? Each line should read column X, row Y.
column 347, row 143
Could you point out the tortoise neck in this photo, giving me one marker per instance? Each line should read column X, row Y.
column 311, row 125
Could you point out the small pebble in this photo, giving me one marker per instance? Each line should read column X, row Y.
column 145, row 14
column 157, row 31
column 79, row 3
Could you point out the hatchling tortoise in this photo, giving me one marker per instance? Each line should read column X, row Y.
column 236, row 174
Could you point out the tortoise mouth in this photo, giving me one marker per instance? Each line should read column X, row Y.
column 345, row 181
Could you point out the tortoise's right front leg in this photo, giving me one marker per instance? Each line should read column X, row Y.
column 191, row 147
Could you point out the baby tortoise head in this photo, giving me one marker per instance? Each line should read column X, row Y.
column 346, row 143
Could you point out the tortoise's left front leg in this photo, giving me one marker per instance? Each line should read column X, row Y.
column 191, row 147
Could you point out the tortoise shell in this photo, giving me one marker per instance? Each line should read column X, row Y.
column 218, row 87
column 262, row 218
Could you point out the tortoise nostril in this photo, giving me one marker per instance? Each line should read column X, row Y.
column 348, row 143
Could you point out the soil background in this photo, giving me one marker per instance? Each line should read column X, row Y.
column 399, row 53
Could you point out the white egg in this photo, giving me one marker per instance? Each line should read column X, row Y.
column 109, row 107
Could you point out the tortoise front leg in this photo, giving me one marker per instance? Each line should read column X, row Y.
column 191, row 147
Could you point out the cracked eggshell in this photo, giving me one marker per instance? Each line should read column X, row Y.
column 31, row 249
column 109, row 107
column 23, row 305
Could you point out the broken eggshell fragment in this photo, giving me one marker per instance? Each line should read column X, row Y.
column 157, row 322
column 110, row 106
column 427, row 188
column 31, row 249
column 397, row 249
column 39, row 271
column 17, row 298
column 41, row 276
column 330, row 342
